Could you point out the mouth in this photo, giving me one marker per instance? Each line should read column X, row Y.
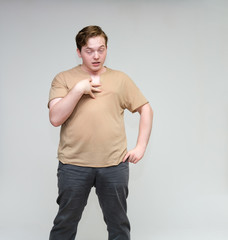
column 95, row 64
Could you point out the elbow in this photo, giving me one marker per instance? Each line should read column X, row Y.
column 54, row 121
column 55, row 124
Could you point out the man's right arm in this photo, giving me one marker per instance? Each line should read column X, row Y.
column 60, row 109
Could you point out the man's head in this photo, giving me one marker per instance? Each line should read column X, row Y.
column 92, row 48
column 88, row 32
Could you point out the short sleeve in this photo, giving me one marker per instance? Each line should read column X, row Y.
column 58, row 88
column 132, row 97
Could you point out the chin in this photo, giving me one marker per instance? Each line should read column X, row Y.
column 96, row 69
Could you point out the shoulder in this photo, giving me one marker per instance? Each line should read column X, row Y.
column 71, row 71
column 117, row 74
column 70, row 77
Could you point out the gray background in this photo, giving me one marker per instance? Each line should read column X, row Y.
column 176, row 52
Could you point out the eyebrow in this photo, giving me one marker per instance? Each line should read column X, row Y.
column 88, row 48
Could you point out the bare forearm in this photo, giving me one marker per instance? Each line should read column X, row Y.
column 61, row 110
column 145, row 126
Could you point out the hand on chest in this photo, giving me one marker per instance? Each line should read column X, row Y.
column 95, row 79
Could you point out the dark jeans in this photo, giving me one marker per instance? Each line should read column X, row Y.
column 74, row 185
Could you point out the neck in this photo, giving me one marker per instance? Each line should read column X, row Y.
column 93, row 73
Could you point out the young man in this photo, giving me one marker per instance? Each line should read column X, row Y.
column 88, row 102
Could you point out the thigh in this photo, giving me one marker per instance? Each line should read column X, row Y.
column 74, row 186
column 74, row 182
column 112, row 191
column 116, row 176
column 112, row 185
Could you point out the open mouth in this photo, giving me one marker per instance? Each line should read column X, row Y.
column 96, row 64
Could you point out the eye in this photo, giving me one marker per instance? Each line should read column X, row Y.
column 101, row 50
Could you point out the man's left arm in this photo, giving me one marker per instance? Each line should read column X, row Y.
column 145, row 126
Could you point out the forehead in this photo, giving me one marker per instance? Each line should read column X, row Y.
column 95, row 42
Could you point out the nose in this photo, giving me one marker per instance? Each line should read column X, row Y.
column 96, row 55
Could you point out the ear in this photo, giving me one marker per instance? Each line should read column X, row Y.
column 79, row 53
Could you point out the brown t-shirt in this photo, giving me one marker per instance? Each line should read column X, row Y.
column 94, row 134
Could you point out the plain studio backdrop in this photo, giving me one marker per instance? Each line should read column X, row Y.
column 177, row 54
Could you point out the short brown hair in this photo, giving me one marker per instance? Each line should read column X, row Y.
column 87, row 32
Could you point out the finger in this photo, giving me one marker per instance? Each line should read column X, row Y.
column 91, row 94
column 126, row 157
column 135, row 161
column 132, row 159
column 96, row 89
column 95, row 85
